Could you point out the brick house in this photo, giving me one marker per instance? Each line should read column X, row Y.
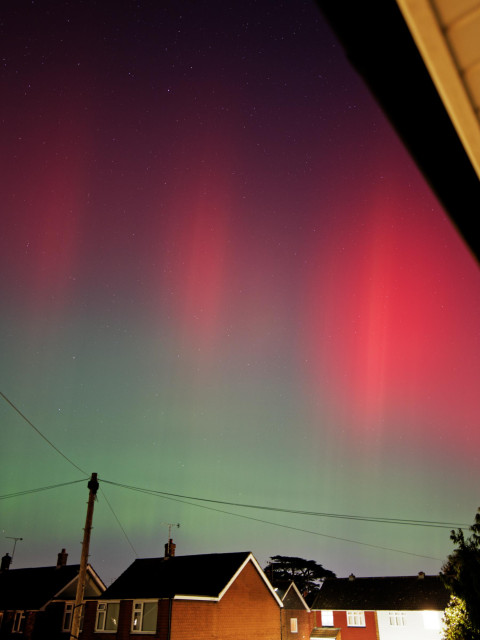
column 37, row 603
column 224, row 596
column 383, row 608
column 297, row 618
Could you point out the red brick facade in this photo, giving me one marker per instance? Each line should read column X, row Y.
column 368, row 632
column 247, row 610
column 304, row 620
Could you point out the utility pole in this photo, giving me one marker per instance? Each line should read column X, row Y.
column 82, row 574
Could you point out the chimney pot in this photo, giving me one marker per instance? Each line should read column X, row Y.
column 6, row 562
column 62, row 559
column 170, row 549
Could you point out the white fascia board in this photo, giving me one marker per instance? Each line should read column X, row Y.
column 96, row 578
column 251, row 558
column 201, row 598
column 292, row 584
column 90, row 574
column 431, row 42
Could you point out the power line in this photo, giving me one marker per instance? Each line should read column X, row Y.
column 119, row 523
column 378, row 520
column 41, row 434
column 28, row 491
column 20, row 493
column 168, row 496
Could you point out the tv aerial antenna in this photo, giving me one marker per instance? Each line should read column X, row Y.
column 14, row 543
column 170, row 525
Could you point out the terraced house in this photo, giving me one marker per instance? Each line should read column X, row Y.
column 383, row 608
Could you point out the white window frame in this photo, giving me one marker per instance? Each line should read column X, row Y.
column 102, row 615
column 397, row 618
column 68, row 616
column 138, row 615
column 18, row 621
column 293, row 625
column 327, row 618
column 356, row 618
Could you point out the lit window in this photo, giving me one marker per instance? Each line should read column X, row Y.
column 107, row 616
column 144, row 616
column 293, row 625
column 356, row 618
column 431, row 620
column 327, row 618
column 18, row 622
column 397, row 618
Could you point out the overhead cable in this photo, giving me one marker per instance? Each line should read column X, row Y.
column 41, row 434
column 381, row 520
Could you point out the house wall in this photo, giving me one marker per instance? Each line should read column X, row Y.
column 48, row 623
column 247, row 610
column 28, row 627
column 305, row 624
column 368, row 632
column 417, row 626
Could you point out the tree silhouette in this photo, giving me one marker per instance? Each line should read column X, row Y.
column 461, row 574
column 307, row 574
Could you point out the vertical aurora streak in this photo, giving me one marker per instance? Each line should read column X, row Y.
column 223, row 276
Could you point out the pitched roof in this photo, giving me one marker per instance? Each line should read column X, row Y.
column 409, row 593
column 32, row 588
column 200, row 576
column 293, row 599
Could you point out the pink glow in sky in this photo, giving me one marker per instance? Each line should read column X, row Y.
column 223, row 276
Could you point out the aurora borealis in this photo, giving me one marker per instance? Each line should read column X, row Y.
column 224, row 277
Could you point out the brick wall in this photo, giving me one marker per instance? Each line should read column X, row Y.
column 368, row 632
column 305, row 624
column 247, row 610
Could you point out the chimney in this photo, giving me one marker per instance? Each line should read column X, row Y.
column 351, row 577
column 421, row 575
column 170, row 549
column 62, row 559
column 6, row 562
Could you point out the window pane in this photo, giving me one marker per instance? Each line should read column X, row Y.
column 327, row 618
column 67, row 618
column 150, row 616
column 112, row 616
column 355, row 618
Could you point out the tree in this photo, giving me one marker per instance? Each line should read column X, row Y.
column 457, row 624
column 461, row 574
column 307, row 574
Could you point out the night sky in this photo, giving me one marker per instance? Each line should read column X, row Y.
column 223, row 277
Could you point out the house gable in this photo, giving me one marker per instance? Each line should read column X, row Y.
column 249, row 559
column 246, row 609
column 293, row 599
